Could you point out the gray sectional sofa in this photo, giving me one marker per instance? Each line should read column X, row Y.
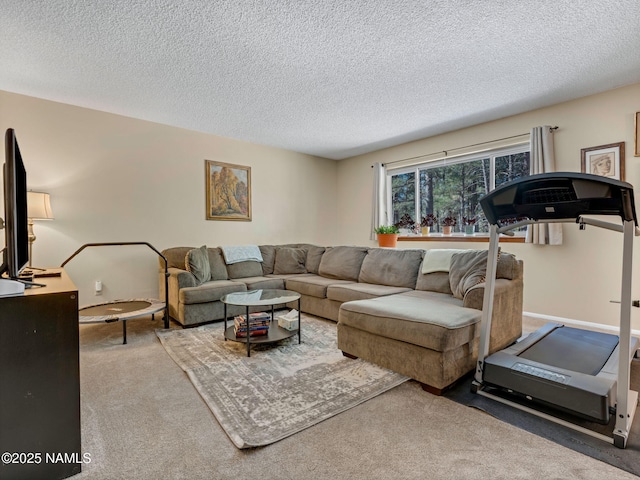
column 400, row 309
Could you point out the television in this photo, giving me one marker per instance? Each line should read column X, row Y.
column 16, row 226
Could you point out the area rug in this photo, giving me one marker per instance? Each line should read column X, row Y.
column 282, row 388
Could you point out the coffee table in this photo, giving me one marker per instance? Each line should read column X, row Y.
column 256, row 298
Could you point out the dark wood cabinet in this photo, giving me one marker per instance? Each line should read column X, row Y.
column 40, row 382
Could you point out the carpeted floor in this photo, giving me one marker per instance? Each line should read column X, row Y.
column 628, row 458
column 142, row 418
column 280, row 389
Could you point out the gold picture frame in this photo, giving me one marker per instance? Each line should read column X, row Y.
column 636, row 136
column 604, row 160
column 228, row 191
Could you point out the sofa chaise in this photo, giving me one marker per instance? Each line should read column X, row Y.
column 416, row 312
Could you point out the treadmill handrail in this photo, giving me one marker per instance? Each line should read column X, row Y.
column 616, row 227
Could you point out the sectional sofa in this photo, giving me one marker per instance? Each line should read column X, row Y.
column 416, row 312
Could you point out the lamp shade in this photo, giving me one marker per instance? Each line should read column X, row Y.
column 39, row 206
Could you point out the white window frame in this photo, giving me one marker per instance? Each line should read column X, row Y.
column 491, row 154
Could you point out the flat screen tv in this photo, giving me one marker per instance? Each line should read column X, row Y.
column 16, row 226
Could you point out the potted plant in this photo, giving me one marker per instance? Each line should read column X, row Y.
column 447, row 224
column 427, row 222
column 469, row 225
column 387, row 235
column 405, row 224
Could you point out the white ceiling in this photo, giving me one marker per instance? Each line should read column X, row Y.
column 333, row 78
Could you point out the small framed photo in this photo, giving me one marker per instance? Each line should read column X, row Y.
column 636, row 136
column 605, row 160
column 228, row 191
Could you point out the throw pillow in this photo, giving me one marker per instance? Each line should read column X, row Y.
column 314, row 256
column 290, row 260
column 507, row 266
column 268, row 258
column 396, row 268
column 467, row 269
column 216, row 264
column 343, row 262
column 197, row 262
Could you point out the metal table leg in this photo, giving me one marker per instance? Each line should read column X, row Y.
column 248, row 334
column 299, row 324
column 224, row 332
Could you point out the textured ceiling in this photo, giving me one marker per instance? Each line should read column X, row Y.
column 333, row 78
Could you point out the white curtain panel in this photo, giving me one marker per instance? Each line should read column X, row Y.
column 379, row 210
column 543, row 161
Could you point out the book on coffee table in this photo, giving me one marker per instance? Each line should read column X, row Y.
column 258, row 324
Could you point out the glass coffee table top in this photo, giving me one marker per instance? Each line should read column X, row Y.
column 255, row 298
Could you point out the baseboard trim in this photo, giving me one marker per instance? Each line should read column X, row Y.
column 578, row 323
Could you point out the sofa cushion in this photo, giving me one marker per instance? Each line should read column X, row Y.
column 197, row 263
column 312, row 285
column 211, row 291
column 268, row 258
column 431, row 295
column 397, row 268
column 342, row 262
column 289, row 275
column 435, row 282
column 175, row 257
column 436, row 325
column 507, row 266
column 245, row 269
column 217, row 265
column 314, row 256
column 256, row 283
column 467, row 270
column 359, row 291
column 290, row 260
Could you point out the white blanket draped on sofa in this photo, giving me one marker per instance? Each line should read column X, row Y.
column 241, row 253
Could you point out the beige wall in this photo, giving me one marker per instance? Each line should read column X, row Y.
column 576, row 280
column 117, row 179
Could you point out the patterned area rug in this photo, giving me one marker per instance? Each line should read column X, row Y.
column 282, row 388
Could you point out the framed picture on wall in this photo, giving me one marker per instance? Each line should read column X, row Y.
column 605, row 160
column 636, row 136
column 228, row 191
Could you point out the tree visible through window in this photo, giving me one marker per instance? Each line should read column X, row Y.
column 454, row 190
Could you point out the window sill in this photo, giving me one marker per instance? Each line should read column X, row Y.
column 458, row 237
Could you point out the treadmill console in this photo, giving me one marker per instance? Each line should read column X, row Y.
column 559, row 196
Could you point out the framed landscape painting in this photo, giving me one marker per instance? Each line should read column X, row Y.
column 605, row 160
column 228, row 191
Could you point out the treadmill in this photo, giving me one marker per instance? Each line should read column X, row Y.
column 575, row 371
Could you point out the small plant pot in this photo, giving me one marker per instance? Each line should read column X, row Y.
column 426, row 230
column 446, row 230
column 388, row 240
column 469, row 229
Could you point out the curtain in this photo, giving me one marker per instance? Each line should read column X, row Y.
column 379, row 210
column 543, row 161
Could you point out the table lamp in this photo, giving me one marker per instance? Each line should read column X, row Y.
column 38, row 208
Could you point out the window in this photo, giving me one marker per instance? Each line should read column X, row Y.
column 452, row 188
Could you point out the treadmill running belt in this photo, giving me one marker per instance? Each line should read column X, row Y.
column 573, row 349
